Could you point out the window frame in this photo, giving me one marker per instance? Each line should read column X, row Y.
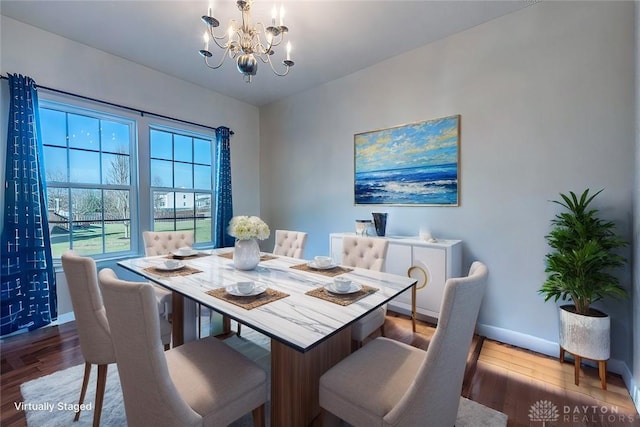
column 141, row 207
column 192, row 133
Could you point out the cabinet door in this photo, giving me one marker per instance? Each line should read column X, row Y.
column 398, row 261
column 433, row 261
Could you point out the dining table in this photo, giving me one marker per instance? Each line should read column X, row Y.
column 294, row 303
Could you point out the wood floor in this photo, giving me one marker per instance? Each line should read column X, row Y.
column 506, row 378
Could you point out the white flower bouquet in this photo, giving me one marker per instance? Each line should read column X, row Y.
column 248, row 227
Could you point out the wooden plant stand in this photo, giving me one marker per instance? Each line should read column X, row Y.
column 577, row 360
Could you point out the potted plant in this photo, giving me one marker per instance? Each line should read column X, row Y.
column 579, row 268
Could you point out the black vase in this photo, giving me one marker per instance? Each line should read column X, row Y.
column 380, row 222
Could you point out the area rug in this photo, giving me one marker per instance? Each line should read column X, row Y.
column 49, row 401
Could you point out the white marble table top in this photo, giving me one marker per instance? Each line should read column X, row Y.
column 299, row 321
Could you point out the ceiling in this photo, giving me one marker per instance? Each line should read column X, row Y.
column 330, row 38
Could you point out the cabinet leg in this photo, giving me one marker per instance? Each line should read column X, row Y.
column 413, row 307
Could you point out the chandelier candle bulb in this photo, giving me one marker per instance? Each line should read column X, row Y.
column 288, row 51
column 281, row 15
column 274, row 15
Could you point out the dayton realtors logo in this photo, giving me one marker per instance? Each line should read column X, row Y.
column 545, row 411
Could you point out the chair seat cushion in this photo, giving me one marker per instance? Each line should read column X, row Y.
column 365, row 386
column 364, row 327
column 216, row 381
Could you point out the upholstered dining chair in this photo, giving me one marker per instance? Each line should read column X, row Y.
column 290, row 243
column 201, row 383
column 92, row 325
column 163, row 243
column 389, row 383
column 369, row 253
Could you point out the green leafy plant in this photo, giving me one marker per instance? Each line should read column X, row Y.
column 583, row 256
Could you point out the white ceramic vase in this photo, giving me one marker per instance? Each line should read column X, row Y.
column 246, row 254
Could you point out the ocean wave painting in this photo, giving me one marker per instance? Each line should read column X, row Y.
column 415, row 164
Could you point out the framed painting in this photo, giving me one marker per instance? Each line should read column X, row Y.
column 409, row 165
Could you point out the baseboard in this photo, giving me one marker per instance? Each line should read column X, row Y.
column 634, row 390
column 64, row 318
column 551, row 348
column 519, row 339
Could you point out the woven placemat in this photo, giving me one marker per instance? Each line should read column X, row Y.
column 198, row 255
column 342, row 299
column 263, row 257
column 248, row 302
column 329, row 272
column 184, row 271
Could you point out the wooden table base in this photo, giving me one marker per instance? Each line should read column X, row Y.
column 577, row 360
column 295, row 379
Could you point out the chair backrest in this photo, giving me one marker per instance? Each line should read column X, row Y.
column 164, row 242
column 435, row 393
column 290, row 243
column 88, row 308
column 150, row 396
column 364, row 252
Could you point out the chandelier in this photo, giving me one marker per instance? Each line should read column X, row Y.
column 246, row 43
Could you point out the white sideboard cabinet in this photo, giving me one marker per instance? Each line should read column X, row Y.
column 440, row 260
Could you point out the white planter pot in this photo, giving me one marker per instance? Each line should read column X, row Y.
column 585, row 336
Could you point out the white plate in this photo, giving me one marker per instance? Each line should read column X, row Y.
column 185, row 253
column 233, row 290
column 164, row 267
column 313, row 265
column 353, row 288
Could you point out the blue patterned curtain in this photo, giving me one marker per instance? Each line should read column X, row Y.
column 224, row 201
column 28, row 280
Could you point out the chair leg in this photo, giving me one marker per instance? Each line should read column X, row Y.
column 83, row 390
column 100, row 385
column 328, row 419
column 226, row 324
column 258, row 416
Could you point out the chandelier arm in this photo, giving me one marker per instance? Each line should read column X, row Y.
column 224, row 57
column 221, row 46
column 286, row 71
column 279, row 35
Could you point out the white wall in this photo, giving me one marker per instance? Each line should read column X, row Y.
column 546, row 102
column 66, row 65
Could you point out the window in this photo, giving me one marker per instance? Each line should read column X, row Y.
column 181, row 170
column 88, row 166
column 92, row 165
